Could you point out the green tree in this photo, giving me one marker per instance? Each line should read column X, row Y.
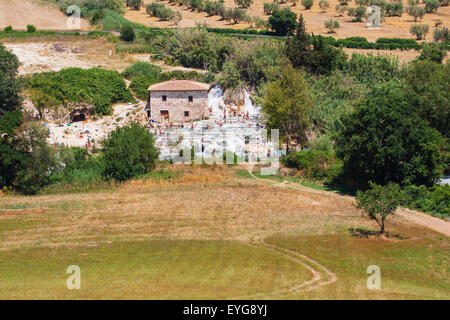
column 10, row 86
column 384, row 141
column 431, row 5
column 332, row 25
column 415, row 12
column 286, row 105
column 135, row 4
column 313, row 53
column 129, row 152
column 283, row 21
column 419, row 30
column 298, row 46
column 378, row 202
column 307, row 4
column 426, row 87
column 26, row 161
column 243, row 3
column 127, row 33
column 38, row 158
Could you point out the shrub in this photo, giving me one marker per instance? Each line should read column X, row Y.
column 152, row 8
column 128, row 152
column 196, row 5
column 359, row 13
column 393, row 9
column 244, row 3
column 238, row 15
column 97, row 16
column 214, row 8
column 139, row 85
column 332, row 25
column 307, row 4
column 135, row 4
column 283, row 21
column 432, row 52
column 444, row 3
column 8, row 29
column 441, row 35
column 313, row 164
column 415, row 12
column 435, row 200
column 127, row 33
column 270, row 7
column 431, row 5
column 143, row 69
column 31, row 28
column 419, row 30
column 98, row 87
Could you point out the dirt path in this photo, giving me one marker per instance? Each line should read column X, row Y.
column 321, row 276
column 416, row 217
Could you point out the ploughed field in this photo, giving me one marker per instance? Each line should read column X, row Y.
column 211, row 233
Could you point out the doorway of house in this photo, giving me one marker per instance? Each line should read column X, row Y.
column 165, row 114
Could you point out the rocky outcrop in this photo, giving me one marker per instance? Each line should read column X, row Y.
column 60, row 114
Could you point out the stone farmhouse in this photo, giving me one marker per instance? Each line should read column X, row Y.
column 177, row 100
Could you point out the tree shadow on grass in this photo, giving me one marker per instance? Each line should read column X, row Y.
column 365, row 233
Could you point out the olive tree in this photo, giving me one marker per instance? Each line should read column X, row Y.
column 378, row 202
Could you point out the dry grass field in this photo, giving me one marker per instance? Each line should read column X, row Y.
column 392, row 26
column 211, row 233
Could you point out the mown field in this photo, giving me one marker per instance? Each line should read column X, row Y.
column 210, row 233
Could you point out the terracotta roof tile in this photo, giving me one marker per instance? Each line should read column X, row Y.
column 179, row 85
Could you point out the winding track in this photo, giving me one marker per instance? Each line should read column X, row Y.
column 321, row 276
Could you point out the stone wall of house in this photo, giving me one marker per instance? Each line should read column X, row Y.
column 177, row 103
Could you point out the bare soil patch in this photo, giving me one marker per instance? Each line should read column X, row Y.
column 391, row 26
column 41, row 14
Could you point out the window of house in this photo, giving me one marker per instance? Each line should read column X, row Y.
column 186, row 113
column 164, row 98
column 191, row 98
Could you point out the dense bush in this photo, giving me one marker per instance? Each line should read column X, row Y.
column 317, row 165
column 98, row 87
column 244, row 3
column 128, row 152
column 283, row 21
column 307, row 4
column 214, row 8
column 144, row 69
column 78, row 171
column 393, row 9
column 432, row 52
column 441, row 35
column 127, row 33
column 435, row 200
column 431, row 5
column 31, row 28
column 370, row 69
